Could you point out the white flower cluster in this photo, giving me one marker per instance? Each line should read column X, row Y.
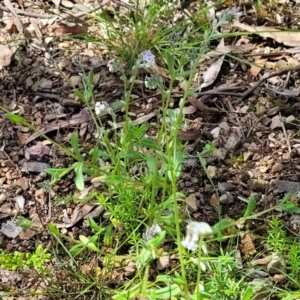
column 193, row 232
column 100, row 107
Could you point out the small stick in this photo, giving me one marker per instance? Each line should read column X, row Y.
column 254, row 87
column 286, row 136
column 27, row 14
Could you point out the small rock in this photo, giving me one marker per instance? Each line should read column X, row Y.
column 215, row 132
column 46, row 83
column 28, row 82
column 220, row 154
column 163, row 262
column 225, row 186
column 75, row 80
column 191, row 202
column 20, row 201
column 232, row 142
column 276, row 122
column 276, row 168
column 247, row 155
column 276, row 265
column 291, row 122
column 224, row 126
column 212, row 171
column 2, row 198
column 27, row 234
column 278, row 278
column 258, row 185
column 67, row 4
column 23, row 183
column 214, row 202
column 223, row 199
column 10, row 229
column 35, row 167
column 129, row 271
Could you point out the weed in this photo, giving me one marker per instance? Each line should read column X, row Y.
column 17, row 260
column 137, row 177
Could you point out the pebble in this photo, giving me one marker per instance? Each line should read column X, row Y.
column 276, row 265
column 2, row 198
column 163, row 262
column 276, row 168
column 212, row 171
column 191, row 202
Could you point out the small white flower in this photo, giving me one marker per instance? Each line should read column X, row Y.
column 100, row 106
column 112, row 65
column 194, row 230
column 151, row 232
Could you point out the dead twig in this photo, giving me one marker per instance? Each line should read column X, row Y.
column 286, row 136
column 248, row 92
column 27, row 14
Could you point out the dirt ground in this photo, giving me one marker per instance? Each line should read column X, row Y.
column 257, row 136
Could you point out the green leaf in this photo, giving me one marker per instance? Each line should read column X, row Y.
column 15, row 118
column 57, row 174
column 183, row 74
column 95, row 154
column 108, row 235
column 104, row 154
column 150, row 144
column 79, row 95
column 170, row 63
column 220, row 226
column 248, row 294
column 164, row 278
column 290, row 207
column 251, row 206
column 53, row 229
column 90, row 80
column 75, row 250
column 79, row 182
column 131, row 293
column 75, row 145
column 151, row 164
column 165, row 293
column 23, row 222
column 94, row 225
column 179, row 279
column 133, row 155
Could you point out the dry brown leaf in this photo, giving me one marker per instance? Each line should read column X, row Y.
column 259, row 64
column 63, row 28
column 211, row 74
column 83, row 117
column 17, row 20
column 36, row 152
column 261, row 261
column 188, row 135
column 292, row 61
column 248, row 247
column 5, row 56
column 139, row 120
column 79, row 213
column 288, row 38
column 40, row 196
column 198, row 103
